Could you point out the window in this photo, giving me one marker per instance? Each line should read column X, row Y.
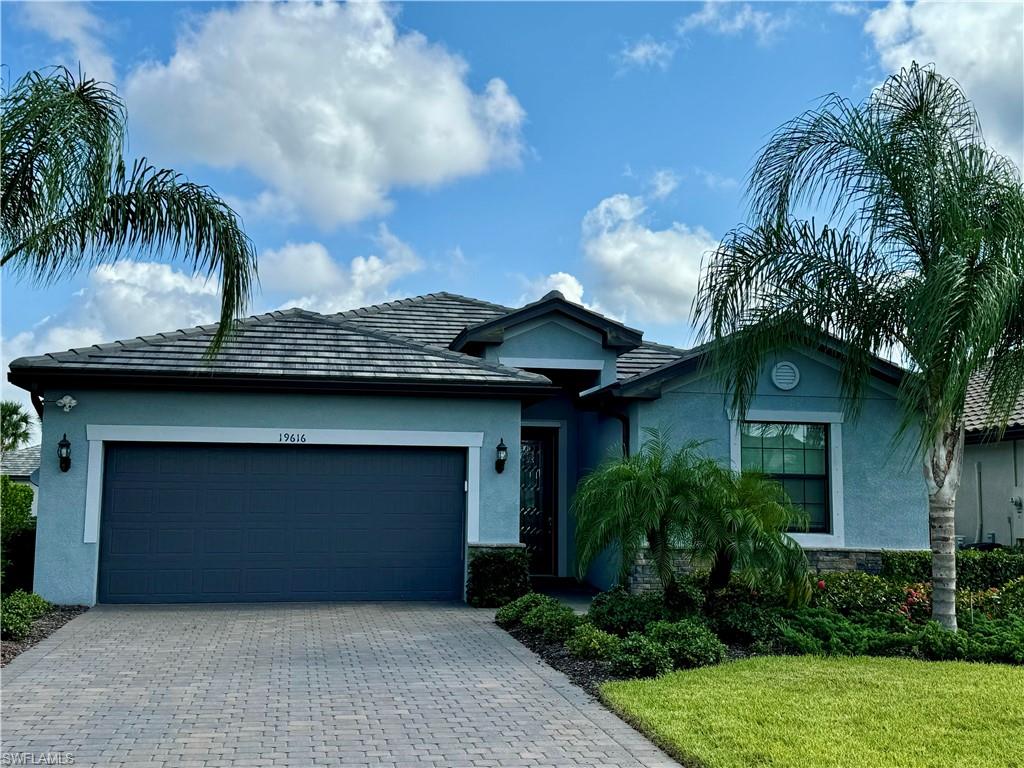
column 796, row 456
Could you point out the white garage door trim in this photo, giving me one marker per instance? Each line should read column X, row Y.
column 98, row 434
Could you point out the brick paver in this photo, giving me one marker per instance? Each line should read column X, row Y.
column 303, row 684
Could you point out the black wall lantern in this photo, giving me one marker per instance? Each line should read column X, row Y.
column 64, row 453
column 501, row 456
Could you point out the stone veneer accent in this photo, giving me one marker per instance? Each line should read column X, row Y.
column 644, row 579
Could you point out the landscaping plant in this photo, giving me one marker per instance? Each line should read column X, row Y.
column 620, row 612
column 589, row 642
column 17, row 612
column 689, row 642
column 640, row 656
column 923, row 258
column 553, row 622
column 17, row 533
column 497, row 577
column 15, row 425
column 511, row 614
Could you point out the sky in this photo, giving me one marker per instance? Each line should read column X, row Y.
column 498, row 150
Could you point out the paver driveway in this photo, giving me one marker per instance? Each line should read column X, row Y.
column 303, row 684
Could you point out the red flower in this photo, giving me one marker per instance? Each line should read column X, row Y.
column 821, row 583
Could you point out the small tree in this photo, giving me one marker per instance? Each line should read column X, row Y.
column 15, row 425
column 924, row 258
column 682, row 500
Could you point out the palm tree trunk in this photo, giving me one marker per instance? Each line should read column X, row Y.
column 721, row 570
column 942, row 466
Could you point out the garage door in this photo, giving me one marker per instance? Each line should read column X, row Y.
column 204, row 523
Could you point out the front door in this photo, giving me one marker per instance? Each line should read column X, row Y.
column 538, row 508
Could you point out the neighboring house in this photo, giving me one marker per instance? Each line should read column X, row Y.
column 990, row 504
column 357, row 455
column 22, row 465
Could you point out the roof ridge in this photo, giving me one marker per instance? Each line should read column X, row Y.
column 411, row 300
column 430, row 349
column 154, row 339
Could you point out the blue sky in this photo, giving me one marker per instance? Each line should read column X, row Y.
column 496, row 150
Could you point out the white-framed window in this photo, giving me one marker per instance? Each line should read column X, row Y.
column 818, row 436
column 796, row 455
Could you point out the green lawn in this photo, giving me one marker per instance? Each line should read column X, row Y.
column 809, row 712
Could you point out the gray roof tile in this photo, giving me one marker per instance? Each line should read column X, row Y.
column 20, row 463
column 976, row 410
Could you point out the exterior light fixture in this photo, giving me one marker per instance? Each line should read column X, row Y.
column 501, row 456
column 64, row 453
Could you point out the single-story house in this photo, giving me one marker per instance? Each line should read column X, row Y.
column 21, row 465
column 368, row 454
column 990, row 504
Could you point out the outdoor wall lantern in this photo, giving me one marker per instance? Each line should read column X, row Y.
column 64, row 453
column 501, row 456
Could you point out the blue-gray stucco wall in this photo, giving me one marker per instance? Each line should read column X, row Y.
column 885, row 503
column 66, row 568
column 556, row 339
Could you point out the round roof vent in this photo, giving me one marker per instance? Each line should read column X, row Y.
column 785, row 375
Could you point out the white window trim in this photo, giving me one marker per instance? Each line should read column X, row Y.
column 99, row 434
column 834, row 420
column 564, row 363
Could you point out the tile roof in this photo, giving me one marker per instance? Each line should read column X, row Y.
column 976, row 409
column 21, row 462
column 293, row 343
column 646, row 357
column 435, row 318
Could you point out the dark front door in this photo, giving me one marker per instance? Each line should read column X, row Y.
column 538, row 508
column 227, row 523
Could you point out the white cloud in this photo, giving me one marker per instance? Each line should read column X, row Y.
column 981, row 45
column 716, row 181
column 663, row 183
column 644, row 273
column 74, row 25
column 568, row 285
column 646, row 53
column 120, row 301
column 848, row 9
column 323, row 284
column 330, row 105
column 733, row 19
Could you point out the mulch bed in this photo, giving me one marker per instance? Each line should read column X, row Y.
column 42, row 628
column 586, row 673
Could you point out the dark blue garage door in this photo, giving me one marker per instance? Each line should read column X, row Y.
column 203, row 523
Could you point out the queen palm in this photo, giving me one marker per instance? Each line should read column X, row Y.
column 69, row 201
column 922, row 258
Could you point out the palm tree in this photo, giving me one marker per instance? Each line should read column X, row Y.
column 680, row 499
column 924, row 259
column 739, row 527
column 69, row 201
column 15, row 425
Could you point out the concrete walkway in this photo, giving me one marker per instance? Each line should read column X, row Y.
column 303, row 684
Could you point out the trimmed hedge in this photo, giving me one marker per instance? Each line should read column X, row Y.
column 552, row 622
column 17, row 536
column 621, row 612
column 589, row 642
column 512, row 614
column 497, row 577
column 640, row 656
column 689, row 642
column 976, row 570
column 857, row 592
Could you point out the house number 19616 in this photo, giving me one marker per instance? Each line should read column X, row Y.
column 291, row 437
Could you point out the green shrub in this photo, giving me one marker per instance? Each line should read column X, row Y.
column 497, row 577
column 511, row 614
column 1013, row 598
column 685, row 596
column 17, row 612
column 620, row 612
column 857, row 592
column 689, row 642
column 745, row 624
column 999, row 640
column 639, row 656
column 552, row 622
column 589, row 642
column 976, row 570
column 17, row 534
